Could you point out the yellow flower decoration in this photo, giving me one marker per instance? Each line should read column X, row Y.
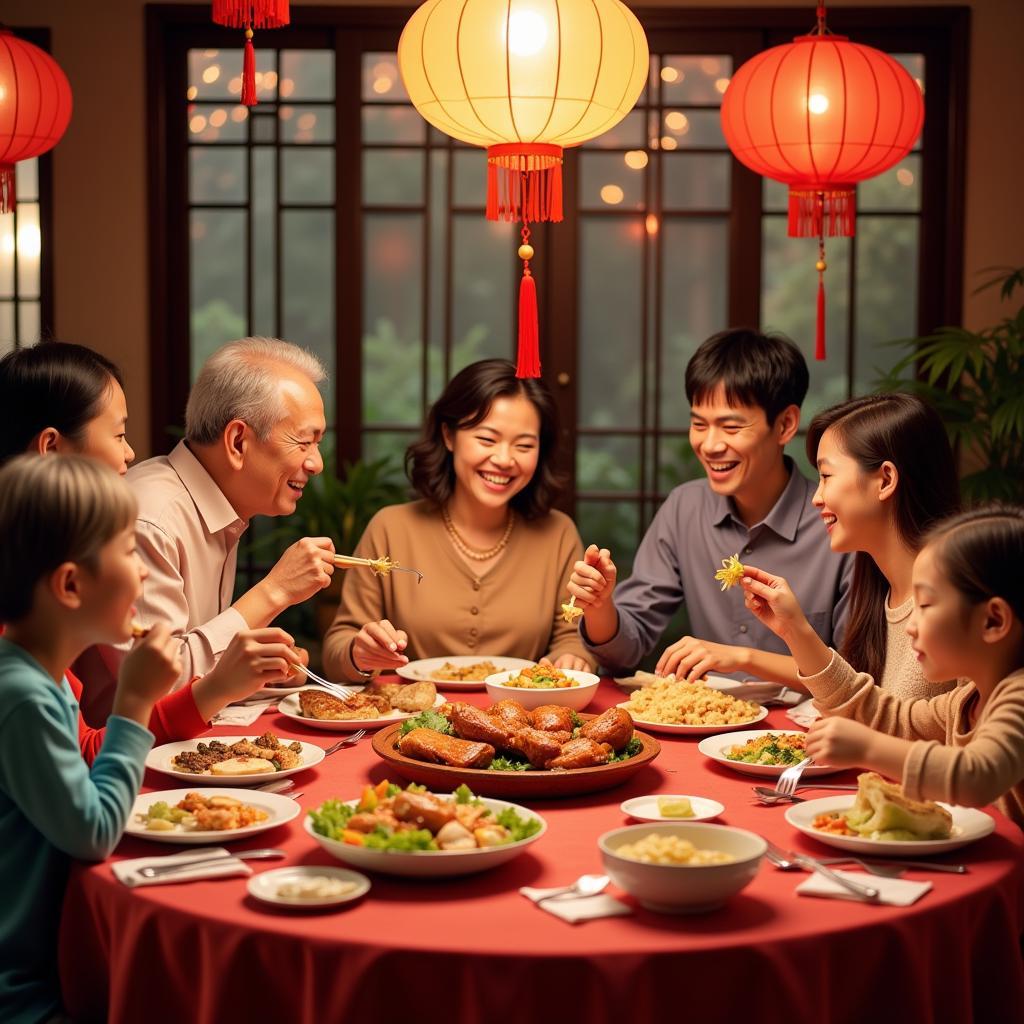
column 383, row 566
column 570, row 612
column 731, row 573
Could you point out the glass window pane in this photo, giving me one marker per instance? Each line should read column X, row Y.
column 392, row 317
column 218, row 280
column 886, row 294
column 217, row 174
column 694, row 280
column 28, row 323
column 6, row 327
column 7, row 257
column 483, row 272
column 217, row 122
column 629, row 132
column 264, row 126
column 307, row 287
column 695, row 181
column 789, row 288
column 607, row 181
column 470, row 185
column 693, row 128
column 393, row 124
column 437, row 269
column 774, row 196
column 264, row 242
column 898, row 188
column 611, row 524
column 29, row 244
column 307, row 175
column 389, row 444
column 307, row 75
column 608, row 463
column 611, row 257
column 700, row 80
column 381, row 80
column 26, row 176
column 306, row 124
column 393, row 177
column 210, row 71
column 677, row 462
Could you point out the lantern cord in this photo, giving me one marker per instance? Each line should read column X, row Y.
column 249, row 70
column 528, row 359
column 821, row 20
column 821, row 267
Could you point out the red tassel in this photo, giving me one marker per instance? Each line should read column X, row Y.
column 819, row 339
column 524, row 182
column 249, row 72
column 831, row 212
column 528, row 364
column 7, row 188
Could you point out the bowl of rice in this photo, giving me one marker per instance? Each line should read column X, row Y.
column 681, row 867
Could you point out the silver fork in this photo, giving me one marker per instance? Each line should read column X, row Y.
column 786, row 861
column 335, row 688
column 782, row 860
column 348, row 741
column 790, row 777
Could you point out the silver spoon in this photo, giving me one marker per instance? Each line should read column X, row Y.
column 585, row 885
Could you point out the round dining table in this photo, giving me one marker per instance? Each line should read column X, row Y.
column 471, row 950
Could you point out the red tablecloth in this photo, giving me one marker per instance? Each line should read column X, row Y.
column 473, row 950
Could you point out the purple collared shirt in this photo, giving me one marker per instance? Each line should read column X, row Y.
column 683, row 548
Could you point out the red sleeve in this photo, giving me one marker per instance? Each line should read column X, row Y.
column 175, row 717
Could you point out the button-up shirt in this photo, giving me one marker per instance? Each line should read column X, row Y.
column 187, row 535
column 690, row 535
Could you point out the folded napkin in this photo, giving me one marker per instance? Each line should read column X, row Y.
column 897, row 891
column 805, row 714
column 577, row 908
column 127, row 871
column 244, row 714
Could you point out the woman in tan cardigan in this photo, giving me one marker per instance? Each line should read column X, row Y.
column 495, row 556
column 965, row 746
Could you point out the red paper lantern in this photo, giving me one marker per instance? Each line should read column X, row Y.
column 820, row 114
column 35, row 107
column 249, row 14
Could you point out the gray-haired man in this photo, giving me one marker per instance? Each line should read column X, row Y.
column 253, row 425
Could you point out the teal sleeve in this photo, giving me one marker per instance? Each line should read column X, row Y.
column 80, row 810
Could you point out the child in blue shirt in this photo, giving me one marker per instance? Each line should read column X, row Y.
column 69, row 577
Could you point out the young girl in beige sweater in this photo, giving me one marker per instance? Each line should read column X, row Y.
column 965, row 746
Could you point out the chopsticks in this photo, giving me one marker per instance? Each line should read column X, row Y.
column 382, row 566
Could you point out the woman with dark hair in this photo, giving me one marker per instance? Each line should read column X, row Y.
column 60, row 398
column 494, row 554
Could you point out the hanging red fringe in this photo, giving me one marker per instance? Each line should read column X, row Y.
column 258, row 13
column 249, row 72
column 819, row 336
column 528, row 362
column 815, row 212
column 524, row 182
column 7, row 188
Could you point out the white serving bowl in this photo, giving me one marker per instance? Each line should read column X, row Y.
column 681, row 888
column 575, row 697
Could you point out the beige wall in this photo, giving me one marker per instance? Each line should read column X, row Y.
column 100, row 170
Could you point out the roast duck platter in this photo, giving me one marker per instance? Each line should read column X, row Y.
column 506, row 750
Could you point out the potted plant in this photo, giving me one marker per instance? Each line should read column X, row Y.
column 975, row 379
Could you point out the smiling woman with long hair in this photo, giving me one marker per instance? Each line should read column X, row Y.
column 494, row 554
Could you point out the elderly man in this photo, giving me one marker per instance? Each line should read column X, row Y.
column 253, row 426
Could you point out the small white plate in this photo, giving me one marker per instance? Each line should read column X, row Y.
column 691, row 730
column 264, row 886
column 645, row 808
column 291, row 708
column 423, row 669
column 161, row 759
column 280, row 809
column 715, row 747
column 969, row 825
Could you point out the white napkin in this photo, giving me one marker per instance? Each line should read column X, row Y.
column 804, row 714
column 244, row 714
column 127, row 871
column 577, row 908
column 897, row 891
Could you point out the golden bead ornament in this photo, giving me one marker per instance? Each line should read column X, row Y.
column 526, row 252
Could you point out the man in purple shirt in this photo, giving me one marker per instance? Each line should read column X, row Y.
column 745, row 390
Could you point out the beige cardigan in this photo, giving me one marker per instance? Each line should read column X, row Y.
column 949, row 761
column 513, row 609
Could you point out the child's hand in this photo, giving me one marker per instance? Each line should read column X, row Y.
column 147, row 673
column 593, row 580
column 839, row 742
column 254, row 658
column 771, row 600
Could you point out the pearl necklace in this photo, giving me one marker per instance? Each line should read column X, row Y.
column 475, row 553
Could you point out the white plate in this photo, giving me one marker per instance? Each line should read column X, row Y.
column 969, row 825
column 691, row 730
column 425, row 667
column 645, row 808
column 291, row 708
column 280, row 809
column 161, row 758
column 265, row 885
column 431, row 863
column 716, row 746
